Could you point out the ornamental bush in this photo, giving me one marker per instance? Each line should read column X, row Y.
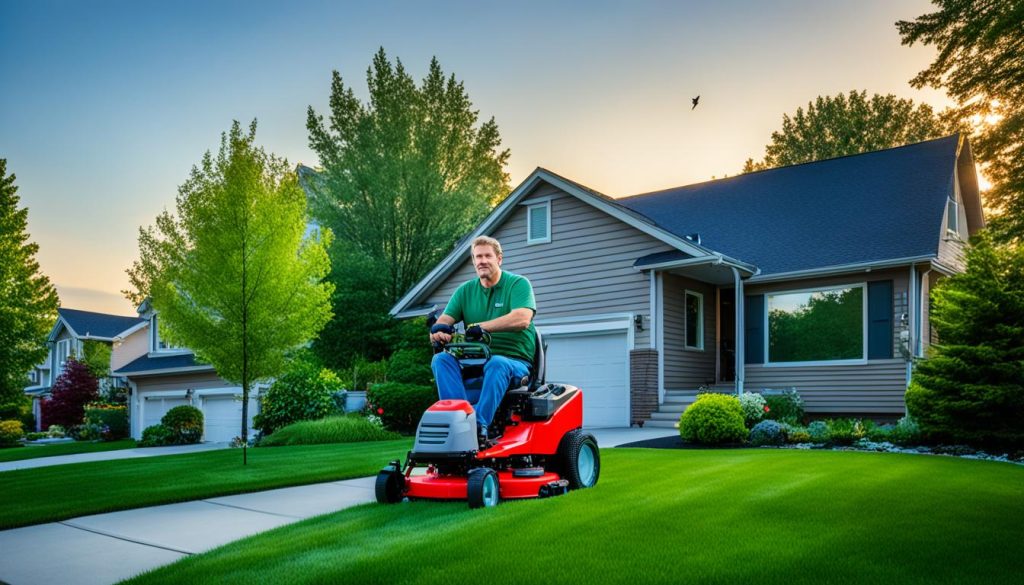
column 713, row 419
column 753, row 408
column 112, row 419
column 305, row 392
column 411, row 366
column 400, row 406
column 906, row 432
column 818, row 431
column 844, row 431
column 156, row 436
column 971, row 387
column 72, row 390
column 787, row 407
column 333, row 429
column 768, row 432
column 185, row 423
column 11, row 432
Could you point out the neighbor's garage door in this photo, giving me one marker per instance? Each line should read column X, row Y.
column 222, row 416
column 156, row 407
column 595, row 362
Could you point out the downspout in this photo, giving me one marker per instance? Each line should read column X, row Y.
column 920, row 307
column 912, row 320
column 740, row 329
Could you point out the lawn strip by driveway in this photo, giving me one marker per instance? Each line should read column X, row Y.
column 36, row 451
column 729, row 516
column 57, row 493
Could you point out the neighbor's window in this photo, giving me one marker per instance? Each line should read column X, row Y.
column 821, row 325
column 952, row 215
column 156, row 339
column 694, row 320
column 538, row 223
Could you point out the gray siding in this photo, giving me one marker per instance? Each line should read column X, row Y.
column 875, row 387
column 586, row 269
column 687, row 368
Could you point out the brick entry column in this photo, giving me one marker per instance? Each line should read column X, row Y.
column 643, row 384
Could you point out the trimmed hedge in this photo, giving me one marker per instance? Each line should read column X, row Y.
column 333, row 429
column 305, row 392
column 713, row 419
column 400, row 406
column 112, row 420
column 10, row 432
column 186, row 424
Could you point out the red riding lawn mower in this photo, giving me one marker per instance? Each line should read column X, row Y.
column 539, row 448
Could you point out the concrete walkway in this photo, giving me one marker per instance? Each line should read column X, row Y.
column 107, row 455
column 106, row 548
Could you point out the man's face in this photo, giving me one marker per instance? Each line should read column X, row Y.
column 486, row 262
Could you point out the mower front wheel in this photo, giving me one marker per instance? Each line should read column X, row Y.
column 389, row 486
column 482, row 488
column 579, row 459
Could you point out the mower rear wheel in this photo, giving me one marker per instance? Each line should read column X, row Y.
column 482, row 488
column 388, row 488
column 579, row 459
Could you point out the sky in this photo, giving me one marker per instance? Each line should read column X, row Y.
column 105, row 106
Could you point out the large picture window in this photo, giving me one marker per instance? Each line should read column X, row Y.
column 820, row 325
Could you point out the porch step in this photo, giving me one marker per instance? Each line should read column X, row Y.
column 661, row 424
column 675, row 403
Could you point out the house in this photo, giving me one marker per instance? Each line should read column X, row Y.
column 817, row 273
column 161, row 376
column 67, row 339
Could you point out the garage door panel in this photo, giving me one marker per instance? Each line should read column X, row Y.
column 223, row 417
column 597, row 363
column 157, row 407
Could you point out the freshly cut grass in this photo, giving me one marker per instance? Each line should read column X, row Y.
column 34, row 452
column 688, row 516
column 334, row 429
column 46, row 494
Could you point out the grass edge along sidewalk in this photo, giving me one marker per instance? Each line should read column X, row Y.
column 49, row 494
column 10, row 454
column 667, row 516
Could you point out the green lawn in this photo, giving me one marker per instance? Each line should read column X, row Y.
column 34, row 452
column 700, row 516
column 46, row 494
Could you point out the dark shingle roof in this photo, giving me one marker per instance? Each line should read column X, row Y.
column 169, row 362
column 87, row 323
column 875, row 206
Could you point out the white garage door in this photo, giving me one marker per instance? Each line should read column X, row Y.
column 156, row 407
column 222, row 416
column 595, row 362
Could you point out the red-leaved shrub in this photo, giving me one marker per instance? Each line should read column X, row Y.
column 73, row 389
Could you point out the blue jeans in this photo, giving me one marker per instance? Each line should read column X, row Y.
column 499, row 371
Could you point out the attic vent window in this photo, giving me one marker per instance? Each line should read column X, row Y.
column 538, row 223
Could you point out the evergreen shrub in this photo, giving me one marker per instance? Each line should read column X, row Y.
column 713, row 419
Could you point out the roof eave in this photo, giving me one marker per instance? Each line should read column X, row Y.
column 158, row 371
column 841, row 268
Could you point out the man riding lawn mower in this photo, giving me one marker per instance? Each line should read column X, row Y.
column 499, row 431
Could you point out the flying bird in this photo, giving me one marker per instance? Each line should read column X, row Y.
column 695, row 100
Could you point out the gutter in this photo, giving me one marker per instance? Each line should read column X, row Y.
column 711, row 259
column 841, row 268
column 181, row 370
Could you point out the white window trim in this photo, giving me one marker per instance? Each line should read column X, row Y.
column 700, row 320
column 953, row 214
column 864, row 327
column 154, row 341
column 529, row 222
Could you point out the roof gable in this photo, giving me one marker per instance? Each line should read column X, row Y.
column 86, row 324
column 879, row 205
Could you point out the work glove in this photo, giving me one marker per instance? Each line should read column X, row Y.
column 442, row 328
column 475, row 332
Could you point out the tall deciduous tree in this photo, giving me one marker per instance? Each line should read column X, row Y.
column 232, row 275
column 847, row 124
column 981, row 65
column 28, row 302
column 407, row 174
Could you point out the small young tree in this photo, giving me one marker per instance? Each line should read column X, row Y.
column 72, row 390
column 232, row 275
column 971, row 388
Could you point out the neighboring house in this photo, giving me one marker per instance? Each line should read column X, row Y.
column 67, row 338
column 832, row 262
column 161, row 377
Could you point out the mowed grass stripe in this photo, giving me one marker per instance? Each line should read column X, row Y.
column 60, row 492
column 760, row 516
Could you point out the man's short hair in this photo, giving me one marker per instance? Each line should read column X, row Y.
column 486, row 241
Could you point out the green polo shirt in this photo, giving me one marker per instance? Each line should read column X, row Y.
column 472, row 304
